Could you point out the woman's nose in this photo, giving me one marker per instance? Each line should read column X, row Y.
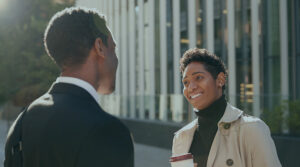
column 192, row 86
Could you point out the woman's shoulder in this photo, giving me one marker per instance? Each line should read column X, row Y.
column 241, row 118
column 246, row 119
column 252, row 124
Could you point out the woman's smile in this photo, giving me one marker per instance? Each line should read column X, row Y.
column 200, row 88
column 195, row 96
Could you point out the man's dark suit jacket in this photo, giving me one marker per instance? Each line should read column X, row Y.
column 66, row 127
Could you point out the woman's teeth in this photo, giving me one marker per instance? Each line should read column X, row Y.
column 197, row 95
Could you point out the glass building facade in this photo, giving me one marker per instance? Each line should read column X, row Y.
column 259, row 41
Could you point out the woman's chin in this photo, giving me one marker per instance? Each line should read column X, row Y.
column 200, row 106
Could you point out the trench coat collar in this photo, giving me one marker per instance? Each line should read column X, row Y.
column 189, row 127
column 231, row 114
column 185, row 137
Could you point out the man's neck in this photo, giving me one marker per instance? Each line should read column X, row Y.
column 85, row 76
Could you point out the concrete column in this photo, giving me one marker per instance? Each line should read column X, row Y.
column 192, row 35
column 151, row 37
column 231, row 53
column 117, row 40
column 210, row 24
column 100, row 6
column 192, row 23
column 141, row 58
column 110, row 14
column 90, row 4
column 86, row 4
column 284, row 55
column 104, row 7
column 124, row 58
column 176, row 45
column 79, row 3
column 177, row 107
column 132, row 54
column 255, row 57
column 176, row 98
column 163, row 60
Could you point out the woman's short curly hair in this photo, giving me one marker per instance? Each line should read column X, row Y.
column 212, row 63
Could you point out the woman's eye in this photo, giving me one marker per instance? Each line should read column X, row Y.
column 185, row 82
column 198, row 77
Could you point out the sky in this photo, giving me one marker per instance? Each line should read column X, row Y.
column 5, row 6
column 11, row 11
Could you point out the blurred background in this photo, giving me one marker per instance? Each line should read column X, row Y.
column 259, row 41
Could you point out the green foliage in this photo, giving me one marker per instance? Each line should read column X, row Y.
column 294, row 117
column 26, row 71
column 275, row 118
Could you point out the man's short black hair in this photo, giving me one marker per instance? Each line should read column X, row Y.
column 71, row 34
column 212, row 63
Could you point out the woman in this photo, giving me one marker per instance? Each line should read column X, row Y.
column 222, row 135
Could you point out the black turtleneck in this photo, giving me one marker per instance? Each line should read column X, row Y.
column 208, row 119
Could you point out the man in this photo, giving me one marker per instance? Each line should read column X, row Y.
column 66, row 127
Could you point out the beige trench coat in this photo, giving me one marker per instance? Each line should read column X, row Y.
column 240, row 141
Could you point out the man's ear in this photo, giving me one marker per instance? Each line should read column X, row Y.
column 99, row 47
column 221, row 79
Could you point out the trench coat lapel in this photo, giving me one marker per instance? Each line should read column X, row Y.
column 185, row 136
column 213, row 150
column 231, row 114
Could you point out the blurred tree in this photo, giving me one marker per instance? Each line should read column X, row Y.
column 274, row 118
column 26, row 71
column 294, row 117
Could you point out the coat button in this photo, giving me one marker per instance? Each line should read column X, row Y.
column 227, row 126
column 229, row 162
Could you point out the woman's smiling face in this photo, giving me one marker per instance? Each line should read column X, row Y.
column 200, row 88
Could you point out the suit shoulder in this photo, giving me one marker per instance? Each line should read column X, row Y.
column 109, row 120
column 45, row 99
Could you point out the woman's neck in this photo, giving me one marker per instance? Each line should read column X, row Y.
column 214, row 111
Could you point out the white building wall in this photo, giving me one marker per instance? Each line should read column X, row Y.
column 133, row 27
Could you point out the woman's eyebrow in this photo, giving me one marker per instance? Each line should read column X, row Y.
column 197, row 72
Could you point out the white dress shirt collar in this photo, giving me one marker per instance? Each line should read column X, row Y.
column 81, row 83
